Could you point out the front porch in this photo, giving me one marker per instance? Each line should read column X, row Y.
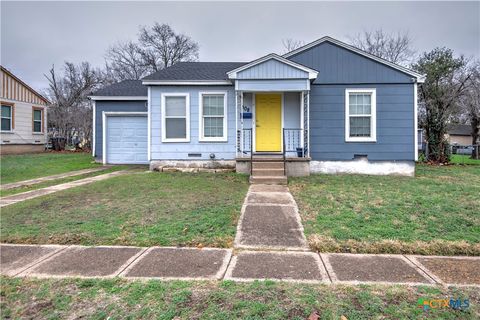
column 272, row 128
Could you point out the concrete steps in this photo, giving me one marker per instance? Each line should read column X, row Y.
column 268, row 169
column 280, row 180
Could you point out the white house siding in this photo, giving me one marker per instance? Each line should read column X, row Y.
column 22, row 131
column 194, row 149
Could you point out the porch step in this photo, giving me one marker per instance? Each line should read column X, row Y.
column 264, row 172
column 267, row 159
column 268, row 165
column 282, row 180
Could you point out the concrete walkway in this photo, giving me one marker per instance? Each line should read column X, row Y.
column 167, row 263
column 26, row 183
column 8, row 200
column 270, row 221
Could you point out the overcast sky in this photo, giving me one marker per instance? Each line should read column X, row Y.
column 35, row 35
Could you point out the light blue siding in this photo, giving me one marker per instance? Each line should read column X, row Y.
column 273, row 85
column 341, row 66
column 181, row 150
column 395, row 133
column 112, row 106
column 272, row 69
column 127, row 139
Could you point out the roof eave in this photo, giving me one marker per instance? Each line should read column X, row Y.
column 186, row 82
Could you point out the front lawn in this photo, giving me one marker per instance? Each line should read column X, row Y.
column 437, row 212
column 142, row 209
column 123, row 299
column 29, row 166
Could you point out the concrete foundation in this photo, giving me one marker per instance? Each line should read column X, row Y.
column 363, row 166
column 21, row 148
column 211, row 166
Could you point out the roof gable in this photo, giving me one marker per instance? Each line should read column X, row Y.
column 15, row 89
column 291, row 55
column 272, row 66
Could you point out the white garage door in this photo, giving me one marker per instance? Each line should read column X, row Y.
column 126, row 140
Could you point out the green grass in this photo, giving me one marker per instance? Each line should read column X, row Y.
column 121, row 299
column 464, row 159
column 389, row 213
column 142, row 208
column 8, row 192
column 25, row 167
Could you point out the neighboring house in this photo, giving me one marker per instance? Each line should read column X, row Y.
column 460, row 134
column 329, row 107
column 23, row 116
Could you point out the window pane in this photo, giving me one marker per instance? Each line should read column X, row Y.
column 176, row 128
column 360, row 127
column 360, row 103
column 6, row 111
column 6, row 124
column 213, row 127
column 213, row 105
column 175, row 106
column 37, row 115
column 37, row 126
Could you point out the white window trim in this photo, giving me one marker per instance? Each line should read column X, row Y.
column 201, row 136
column 41, row 122
column 373, row 110
column 11, row 119
column 187, row 116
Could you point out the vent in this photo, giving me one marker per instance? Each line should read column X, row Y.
column 6, row 141
column 360, row 157
column 195, row 155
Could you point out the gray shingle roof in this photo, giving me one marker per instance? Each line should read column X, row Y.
column 133, row 88
column 195, row 71
column 460, row 130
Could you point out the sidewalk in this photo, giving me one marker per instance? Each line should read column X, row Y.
column 8, row 200
column 167, row 263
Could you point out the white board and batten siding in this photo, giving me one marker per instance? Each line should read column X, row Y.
column 23, row 100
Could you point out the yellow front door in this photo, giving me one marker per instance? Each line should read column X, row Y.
column 268, row 122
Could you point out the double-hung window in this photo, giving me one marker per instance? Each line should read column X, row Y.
column 213, row 116
column 7, row 118
column 37, row 120
column 175, row 117
column 360, row 115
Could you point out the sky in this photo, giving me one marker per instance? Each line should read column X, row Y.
column 37, row 35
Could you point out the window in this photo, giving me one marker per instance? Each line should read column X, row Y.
column 7, row 118
column 360, row 115
column 175, row 117
column 213, row 116
column 37, row 120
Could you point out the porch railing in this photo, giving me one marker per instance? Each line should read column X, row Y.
column 294, row 143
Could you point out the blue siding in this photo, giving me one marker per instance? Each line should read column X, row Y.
column 180, row 150
column 395, row 133
column 112, row 106
column 273, row 85
column 272, row 69
column 339, row 65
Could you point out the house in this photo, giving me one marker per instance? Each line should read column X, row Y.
column 324, row 107
column 23, row 116
column 460, row 134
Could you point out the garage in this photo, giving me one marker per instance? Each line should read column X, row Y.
column 126, row 139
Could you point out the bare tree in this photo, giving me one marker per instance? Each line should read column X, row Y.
column 290, row 44
column 124, row 61
column 394, row 47
column 161, row 47
column 470, row 101
column 446, row 82
column 70, row 112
